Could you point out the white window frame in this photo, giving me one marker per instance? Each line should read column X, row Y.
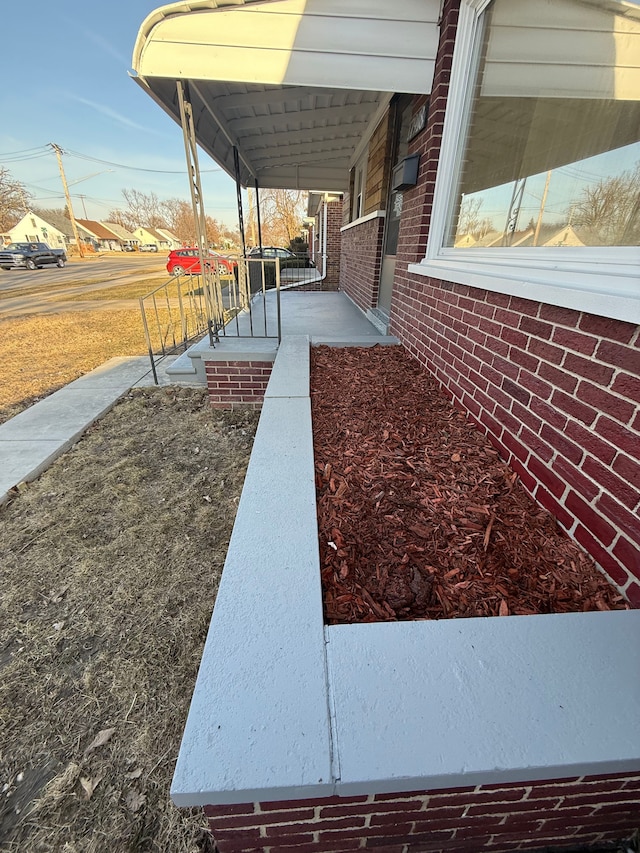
column 598, row 280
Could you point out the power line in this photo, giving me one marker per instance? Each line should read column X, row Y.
column 133, row 168
column 42, row 148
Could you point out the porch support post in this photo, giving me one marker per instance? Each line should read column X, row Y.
column 212, row 297
column 255, row 183
column 236, row 165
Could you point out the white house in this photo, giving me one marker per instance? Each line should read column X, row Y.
column 154, row 236
column 34, row 229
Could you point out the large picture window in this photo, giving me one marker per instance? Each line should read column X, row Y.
column 540, row 164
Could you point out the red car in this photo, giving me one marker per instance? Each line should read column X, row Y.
column 187, row 262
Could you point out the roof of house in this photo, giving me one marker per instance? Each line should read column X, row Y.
column 120, row 232
column 169, row 235
column 156, row 234
column 97, row 229
column 57, row 220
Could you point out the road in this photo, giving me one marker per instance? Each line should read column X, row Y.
column 47, row 290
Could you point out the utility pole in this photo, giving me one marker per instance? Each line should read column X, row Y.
column 74, row 226
column 542, row 204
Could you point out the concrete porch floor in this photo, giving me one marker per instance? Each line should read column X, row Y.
column 324, row 317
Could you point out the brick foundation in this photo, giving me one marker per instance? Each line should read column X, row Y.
column 237, row 383
column 566, row 813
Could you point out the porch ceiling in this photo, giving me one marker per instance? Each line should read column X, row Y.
column 293, row 84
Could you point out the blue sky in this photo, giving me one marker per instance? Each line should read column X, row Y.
column 64, row 70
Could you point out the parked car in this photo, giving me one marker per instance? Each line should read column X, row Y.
column 148, row 247
column 286, row 256
column 31, row 256
column 127, row 247
column 186, row 261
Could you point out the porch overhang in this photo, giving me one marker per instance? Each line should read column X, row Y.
column 292, row 84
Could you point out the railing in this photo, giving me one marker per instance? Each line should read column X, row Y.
column 244, row 304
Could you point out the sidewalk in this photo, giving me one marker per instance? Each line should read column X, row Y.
column 33, row 439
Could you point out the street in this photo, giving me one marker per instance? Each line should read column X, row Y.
column 48, row 290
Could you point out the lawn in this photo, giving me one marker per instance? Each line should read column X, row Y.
column 40, row 353
column 112, row 561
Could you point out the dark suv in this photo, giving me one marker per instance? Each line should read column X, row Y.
column 286, row 256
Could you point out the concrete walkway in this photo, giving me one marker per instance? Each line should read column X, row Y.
column 33, row 439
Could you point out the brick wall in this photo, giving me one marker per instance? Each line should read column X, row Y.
column 360, row 261
column 524, row 816
column 334, row 242
column 237, row 383
column 557, row 391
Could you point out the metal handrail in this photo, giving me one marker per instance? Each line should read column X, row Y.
column 186, row 307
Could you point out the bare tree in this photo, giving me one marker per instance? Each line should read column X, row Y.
column 142, row 210
column 610, row 209
column 15, row 200
column 281, row 213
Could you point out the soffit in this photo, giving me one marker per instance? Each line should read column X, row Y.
column 293, row 84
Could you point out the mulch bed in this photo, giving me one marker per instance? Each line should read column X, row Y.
column 419, row 518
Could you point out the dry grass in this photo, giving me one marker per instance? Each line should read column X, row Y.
column 127, row 290
column 41, row 353
column 112, row 560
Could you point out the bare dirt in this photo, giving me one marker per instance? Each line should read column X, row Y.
column 111, row 562
column 419, row 518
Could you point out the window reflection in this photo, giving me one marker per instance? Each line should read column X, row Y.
column 552, row 154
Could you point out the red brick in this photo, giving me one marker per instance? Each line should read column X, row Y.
column 602, row 557
column 536, row 385
column 535, row 443
column 234, row 809
column 289, row 817
column 571, row 475
column 236, row 837
column 528, row 362
column 592, row 520
column 512, row 808
column 546, row 351
column 628, row 554
column 562, row 444
column 557, row 510
column 525, row 477
column 621, row 356
column 588, row 368
column 605, row 327
column 546, row 476
column 562, row 316
column 536, row 327
column 590, row 442
column 559, row 378
column 287, row 835
column 515, row 446
column 633, row 594
column 611, row 482
column 608, row 403
column 516, row 391
column 623, row 438
column 549, row 414
column 626, row 521
column 576, row 341
column 573, row 407
column 628, row 386
column 524, row 306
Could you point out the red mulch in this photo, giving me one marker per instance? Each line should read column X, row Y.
column 418, row 516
